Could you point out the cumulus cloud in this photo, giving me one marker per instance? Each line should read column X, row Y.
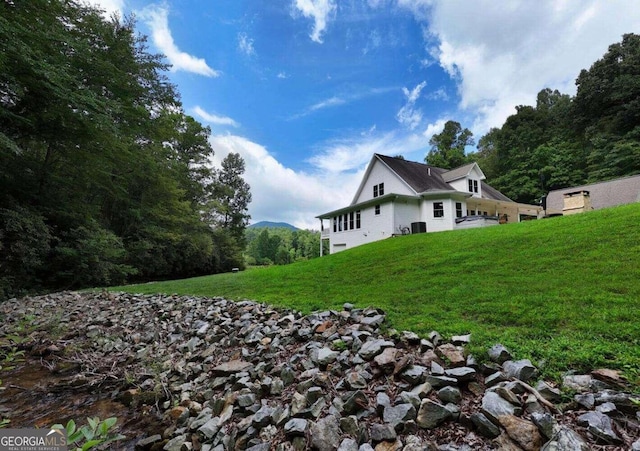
column 213, row 118
column 108, row 6
column 245, row 44
column 318, row 10
column 282, row 194
column 157, row 19
column 501, row 54
column 434, row 128
column 409, row 115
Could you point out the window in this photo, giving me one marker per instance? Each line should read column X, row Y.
column 335, row 224
column 346, row 222
column 473, row 186
column 378, row 190
column 458, row 209
column 375, row 190
column 438, row 210
column 377, row 209
column 358, row 219
column 351, row 221
column 340, row 223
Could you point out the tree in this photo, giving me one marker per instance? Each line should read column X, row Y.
column 231, row 197
column 448, row 147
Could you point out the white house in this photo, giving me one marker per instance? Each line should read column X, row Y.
column 398, row 197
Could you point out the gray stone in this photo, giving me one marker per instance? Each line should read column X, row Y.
column 349, row 425
column 494, row 406
column 356, row 402
column 599, row 425
column 313, row 394
column 635, row 446
column 210, row 428
column 387, row 359
column 366, row 447
column 348, row 444
column 382, row 432
column 355, row 381
column 396, row 415
column 325, row 434
column 548, row 392
column 373, row 321
column 410, row 337
column 232, row 367
column 485, row 426
column 298, row 403
column 449, row 394
column 431, row 414
column 545, row 423
column 296, row 427
column 461, row 339
column 259, row 447
column 327, row 356
column 437, row 369
column 566, row 440
column 176, row 443
column 410, row 398
column 587, row 400
column 414, row 375
column 580, row 383
column 382, row 402
column 621, row 400
column 495, row 379
column 372, row 348
column 422, row 390
column 147, row 442
column 440, row 381
column 263, row 417
column 499, row 353
column 246, row 400
column 520, row 369
column 461, row 374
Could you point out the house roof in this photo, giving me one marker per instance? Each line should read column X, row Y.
column 620, row 191
column 423, row 177
column 458, row 173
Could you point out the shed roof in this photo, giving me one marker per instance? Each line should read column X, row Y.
column 610, row 193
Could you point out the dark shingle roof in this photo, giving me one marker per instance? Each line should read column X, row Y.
column 419, row 176
column 422, row 177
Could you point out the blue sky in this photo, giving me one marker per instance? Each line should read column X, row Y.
column 307, row 90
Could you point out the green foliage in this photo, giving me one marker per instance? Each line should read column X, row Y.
column 102, row 174
column 566, row 141
column 281, row 245
column 91, row 435
column 448, row 147
column 562, row 290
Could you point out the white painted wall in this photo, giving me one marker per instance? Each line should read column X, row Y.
column 372, row 228
column 382, row 174
column 404, row 213
column 439, row 224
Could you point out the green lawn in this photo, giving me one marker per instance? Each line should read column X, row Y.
column 564, row 292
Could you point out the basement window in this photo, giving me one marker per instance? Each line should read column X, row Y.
column 438, row 210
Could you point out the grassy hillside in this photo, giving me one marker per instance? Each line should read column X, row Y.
column 564, row 292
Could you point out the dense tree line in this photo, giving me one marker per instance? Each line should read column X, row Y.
column 280, row 246
column 563, row 140
column 103, row 177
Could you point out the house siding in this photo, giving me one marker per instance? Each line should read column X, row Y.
column 405, row 212
column 381, row 174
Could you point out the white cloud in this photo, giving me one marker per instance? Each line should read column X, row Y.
column 321, row 11
column 501, row 54
column 109, row 6
column 213, row 118
column 157, row 18
column 408, row 115
column 245, row 44
column 434, row 128
column 282, row 194
column 282, row 75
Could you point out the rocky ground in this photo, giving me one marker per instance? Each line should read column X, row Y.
column 184, row 373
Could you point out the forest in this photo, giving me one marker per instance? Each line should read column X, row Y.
column 563, row 140
column 103, row 177
column 280, row 246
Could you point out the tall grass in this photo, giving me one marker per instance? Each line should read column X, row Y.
column 564, row 292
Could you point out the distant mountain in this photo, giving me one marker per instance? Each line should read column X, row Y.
column 272, row 225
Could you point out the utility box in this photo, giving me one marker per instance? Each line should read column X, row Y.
column 418, row 227
column 576, row 202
